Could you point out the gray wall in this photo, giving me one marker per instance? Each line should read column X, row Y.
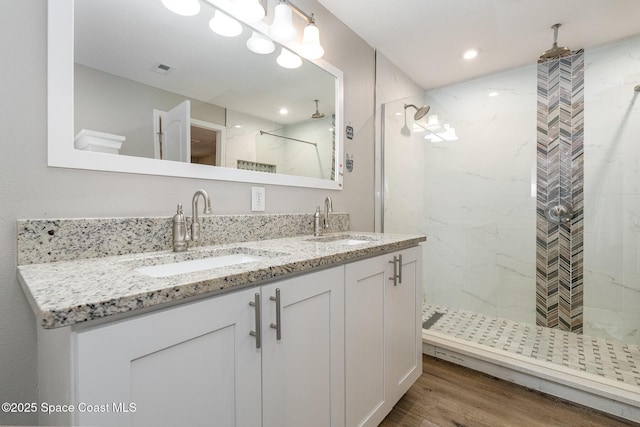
column 30, row 189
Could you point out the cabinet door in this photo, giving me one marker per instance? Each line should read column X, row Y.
column 365, row 284
column 403, row 326
column 303, row 371
column 194, row 365
column 383, row 334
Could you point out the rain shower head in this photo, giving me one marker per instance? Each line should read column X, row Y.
column 555, row 52
column 420, row 111
column 317, row 114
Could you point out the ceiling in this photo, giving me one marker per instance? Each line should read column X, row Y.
column 426, row 38
column 206, row 67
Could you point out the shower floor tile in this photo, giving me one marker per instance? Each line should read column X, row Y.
column 609, row 359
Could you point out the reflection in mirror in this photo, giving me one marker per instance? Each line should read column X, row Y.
column 165, row 89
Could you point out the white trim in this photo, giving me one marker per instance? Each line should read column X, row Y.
column 61, row 152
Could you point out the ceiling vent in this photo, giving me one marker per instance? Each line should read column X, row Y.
column 162, row 68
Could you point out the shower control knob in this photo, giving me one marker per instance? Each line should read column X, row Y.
column 559, row 213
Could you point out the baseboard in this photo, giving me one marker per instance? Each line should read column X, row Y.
column 606, row 395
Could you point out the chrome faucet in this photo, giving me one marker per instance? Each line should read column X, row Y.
column 328, row 208
column 195, row 221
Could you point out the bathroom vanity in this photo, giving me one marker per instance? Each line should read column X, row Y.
column 290, row 331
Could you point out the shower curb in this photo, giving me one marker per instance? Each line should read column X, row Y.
column 603, row 394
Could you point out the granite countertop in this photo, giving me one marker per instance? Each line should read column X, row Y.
column 69, row 292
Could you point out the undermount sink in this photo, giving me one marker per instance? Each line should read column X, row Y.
column 190, row 262
column 171, row 269
column 349, row 240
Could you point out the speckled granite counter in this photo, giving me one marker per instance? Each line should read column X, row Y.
column 69, row 292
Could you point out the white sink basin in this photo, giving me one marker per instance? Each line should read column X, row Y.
column 190, row 266
column 348, row 240
column 351, row 242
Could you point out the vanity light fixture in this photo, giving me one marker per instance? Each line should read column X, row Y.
column 183, row 7
column 249, row 10
column 282, row 28
column 260, row 44
column 311, row 48
column 288, row 59
column 224, row 25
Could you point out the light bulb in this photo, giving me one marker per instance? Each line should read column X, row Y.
column 224, row 25
column 260, row 44
column 183, row 7
column 287, row 59
column 311, row 48
column 282, row 28
column 249, row 10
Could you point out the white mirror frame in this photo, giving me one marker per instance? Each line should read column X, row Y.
column 61, row 150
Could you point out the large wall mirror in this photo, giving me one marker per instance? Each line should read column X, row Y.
column 134, row 87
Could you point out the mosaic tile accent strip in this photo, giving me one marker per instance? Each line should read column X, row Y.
column 560, row 152
column 51, row 240
column 610, row 359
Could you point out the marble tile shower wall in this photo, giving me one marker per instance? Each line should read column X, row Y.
column 612, row 192
column 50, row 240
column 473, row 196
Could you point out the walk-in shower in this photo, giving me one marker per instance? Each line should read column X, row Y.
column 498, row 272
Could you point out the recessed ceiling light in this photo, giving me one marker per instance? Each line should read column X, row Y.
column 470, row 54
column 493, row 93
column 284, row 111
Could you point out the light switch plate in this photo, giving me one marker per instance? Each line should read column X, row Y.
column 258, row 196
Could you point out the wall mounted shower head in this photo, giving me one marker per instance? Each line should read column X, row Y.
column 420, row 111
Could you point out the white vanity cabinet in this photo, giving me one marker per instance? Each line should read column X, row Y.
column 383, row 304
column 333, row 347
column 193, row 364
column 198, row 365
column 303, row 371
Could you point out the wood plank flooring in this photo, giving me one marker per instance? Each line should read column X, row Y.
column 450, row 395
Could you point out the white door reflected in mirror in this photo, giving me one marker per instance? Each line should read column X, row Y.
column 172, row 133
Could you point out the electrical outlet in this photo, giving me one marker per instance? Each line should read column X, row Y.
column 258, row 199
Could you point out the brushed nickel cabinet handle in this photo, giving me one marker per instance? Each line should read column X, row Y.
column 278, row 325
column 400, row 268
column 258, row 332
column 395, row 270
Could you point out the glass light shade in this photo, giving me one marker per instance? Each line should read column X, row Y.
column 282, row 28
column 183, row 7
column 287, row 59
column 225, row 25
column 260, row 44
column 311, row 48
column 249, row 10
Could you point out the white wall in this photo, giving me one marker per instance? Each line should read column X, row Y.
column 29, row 189
column 612, row 192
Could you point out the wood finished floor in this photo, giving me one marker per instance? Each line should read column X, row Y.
column 450, row 395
